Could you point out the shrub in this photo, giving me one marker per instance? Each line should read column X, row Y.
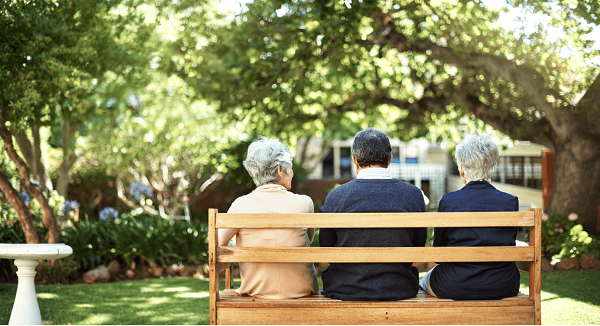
column 157, row 240
column 89, row 246
column 563, row 237
column 59, row 272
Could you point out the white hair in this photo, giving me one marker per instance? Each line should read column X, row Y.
column 478, row 156
column 264, row 156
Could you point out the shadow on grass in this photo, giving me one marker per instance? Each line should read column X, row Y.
column 157, row 301
column 582, row 285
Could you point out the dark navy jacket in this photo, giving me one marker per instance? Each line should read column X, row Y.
column 354, row 281
column 481, row 281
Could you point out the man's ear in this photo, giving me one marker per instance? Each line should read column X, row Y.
column 461, row 171
column 355, row 162
column 389, row 161
column 278, row 172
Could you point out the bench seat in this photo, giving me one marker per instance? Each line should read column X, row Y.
column 320, row 310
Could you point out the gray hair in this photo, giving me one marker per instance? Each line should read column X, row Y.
column 478, row 156
column 371, row 147
column 264, row 156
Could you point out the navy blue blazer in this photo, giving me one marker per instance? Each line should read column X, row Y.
column 482, row 281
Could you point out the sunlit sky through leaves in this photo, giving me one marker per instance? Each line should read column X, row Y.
column 508, row 19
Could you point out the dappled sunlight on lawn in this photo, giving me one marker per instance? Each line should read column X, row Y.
column 145, row 313
column 193, row 295
column 97, row 319
column 147, row 303
column 178, row 289
column 167, row 318
column 548, row 296
column 47, row 296
column 175, row 301
column 569, row 298
column 151, row 289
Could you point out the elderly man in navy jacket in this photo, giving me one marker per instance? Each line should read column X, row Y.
column 372, row 191
column 477, row 157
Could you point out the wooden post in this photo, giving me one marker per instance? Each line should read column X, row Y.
column 228, row 277
column 547, row 175
column 212, row 265
column 535, row 268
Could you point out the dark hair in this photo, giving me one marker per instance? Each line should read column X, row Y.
column 371, row 147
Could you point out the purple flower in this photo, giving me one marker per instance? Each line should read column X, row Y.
column 69, row 205
column 138, row 189
column 573, row 217
column 108, row 212
column 25, row 197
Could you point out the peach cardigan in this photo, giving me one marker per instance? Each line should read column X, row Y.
column 273, row 280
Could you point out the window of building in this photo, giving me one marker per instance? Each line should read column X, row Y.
column 520, row 170
column 395, row 155
column 327, row 165
column 412, row 155
column 345, row 163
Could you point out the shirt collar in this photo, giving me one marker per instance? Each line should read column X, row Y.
column 270, row 187
column 479, row 185
column 373, row 173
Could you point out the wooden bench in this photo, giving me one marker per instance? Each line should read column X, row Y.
column 229, row 308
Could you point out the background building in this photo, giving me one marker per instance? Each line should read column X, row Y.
column 427, row 165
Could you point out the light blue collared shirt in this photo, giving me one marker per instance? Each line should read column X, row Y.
column 373, row 173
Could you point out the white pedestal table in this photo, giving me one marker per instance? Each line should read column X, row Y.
column 26, row 310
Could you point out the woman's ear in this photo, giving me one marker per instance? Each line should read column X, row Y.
column 279, row 170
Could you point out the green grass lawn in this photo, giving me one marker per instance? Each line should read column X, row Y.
column 567, row 298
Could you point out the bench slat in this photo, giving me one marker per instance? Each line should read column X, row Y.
column 377, row 316
column 368, row 220
column 230, row 299
column 373, row 255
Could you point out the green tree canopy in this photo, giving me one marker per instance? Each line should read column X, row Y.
column 54, row 56
column 300, row 68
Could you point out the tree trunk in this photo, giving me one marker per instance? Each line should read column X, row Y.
column 33, row 155
column 39, row 170
column 31, row 234
column 577, row 181
column 62, row 184
column 69, row 158
column 36, row 192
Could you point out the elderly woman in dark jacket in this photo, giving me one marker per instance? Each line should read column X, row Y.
column 477, row 157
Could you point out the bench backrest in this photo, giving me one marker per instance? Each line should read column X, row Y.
column 531, row 253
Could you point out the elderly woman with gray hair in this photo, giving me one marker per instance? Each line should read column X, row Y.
column 269, row 163
column 477, row 156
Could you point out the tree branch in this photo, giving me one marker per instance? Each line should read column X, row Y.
column 39, row 169
column 590, row 104
column 530, row 80
column 24, row 145
column 510, row 123
column 131, row 204
column 31, row 234
column 47, row 211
